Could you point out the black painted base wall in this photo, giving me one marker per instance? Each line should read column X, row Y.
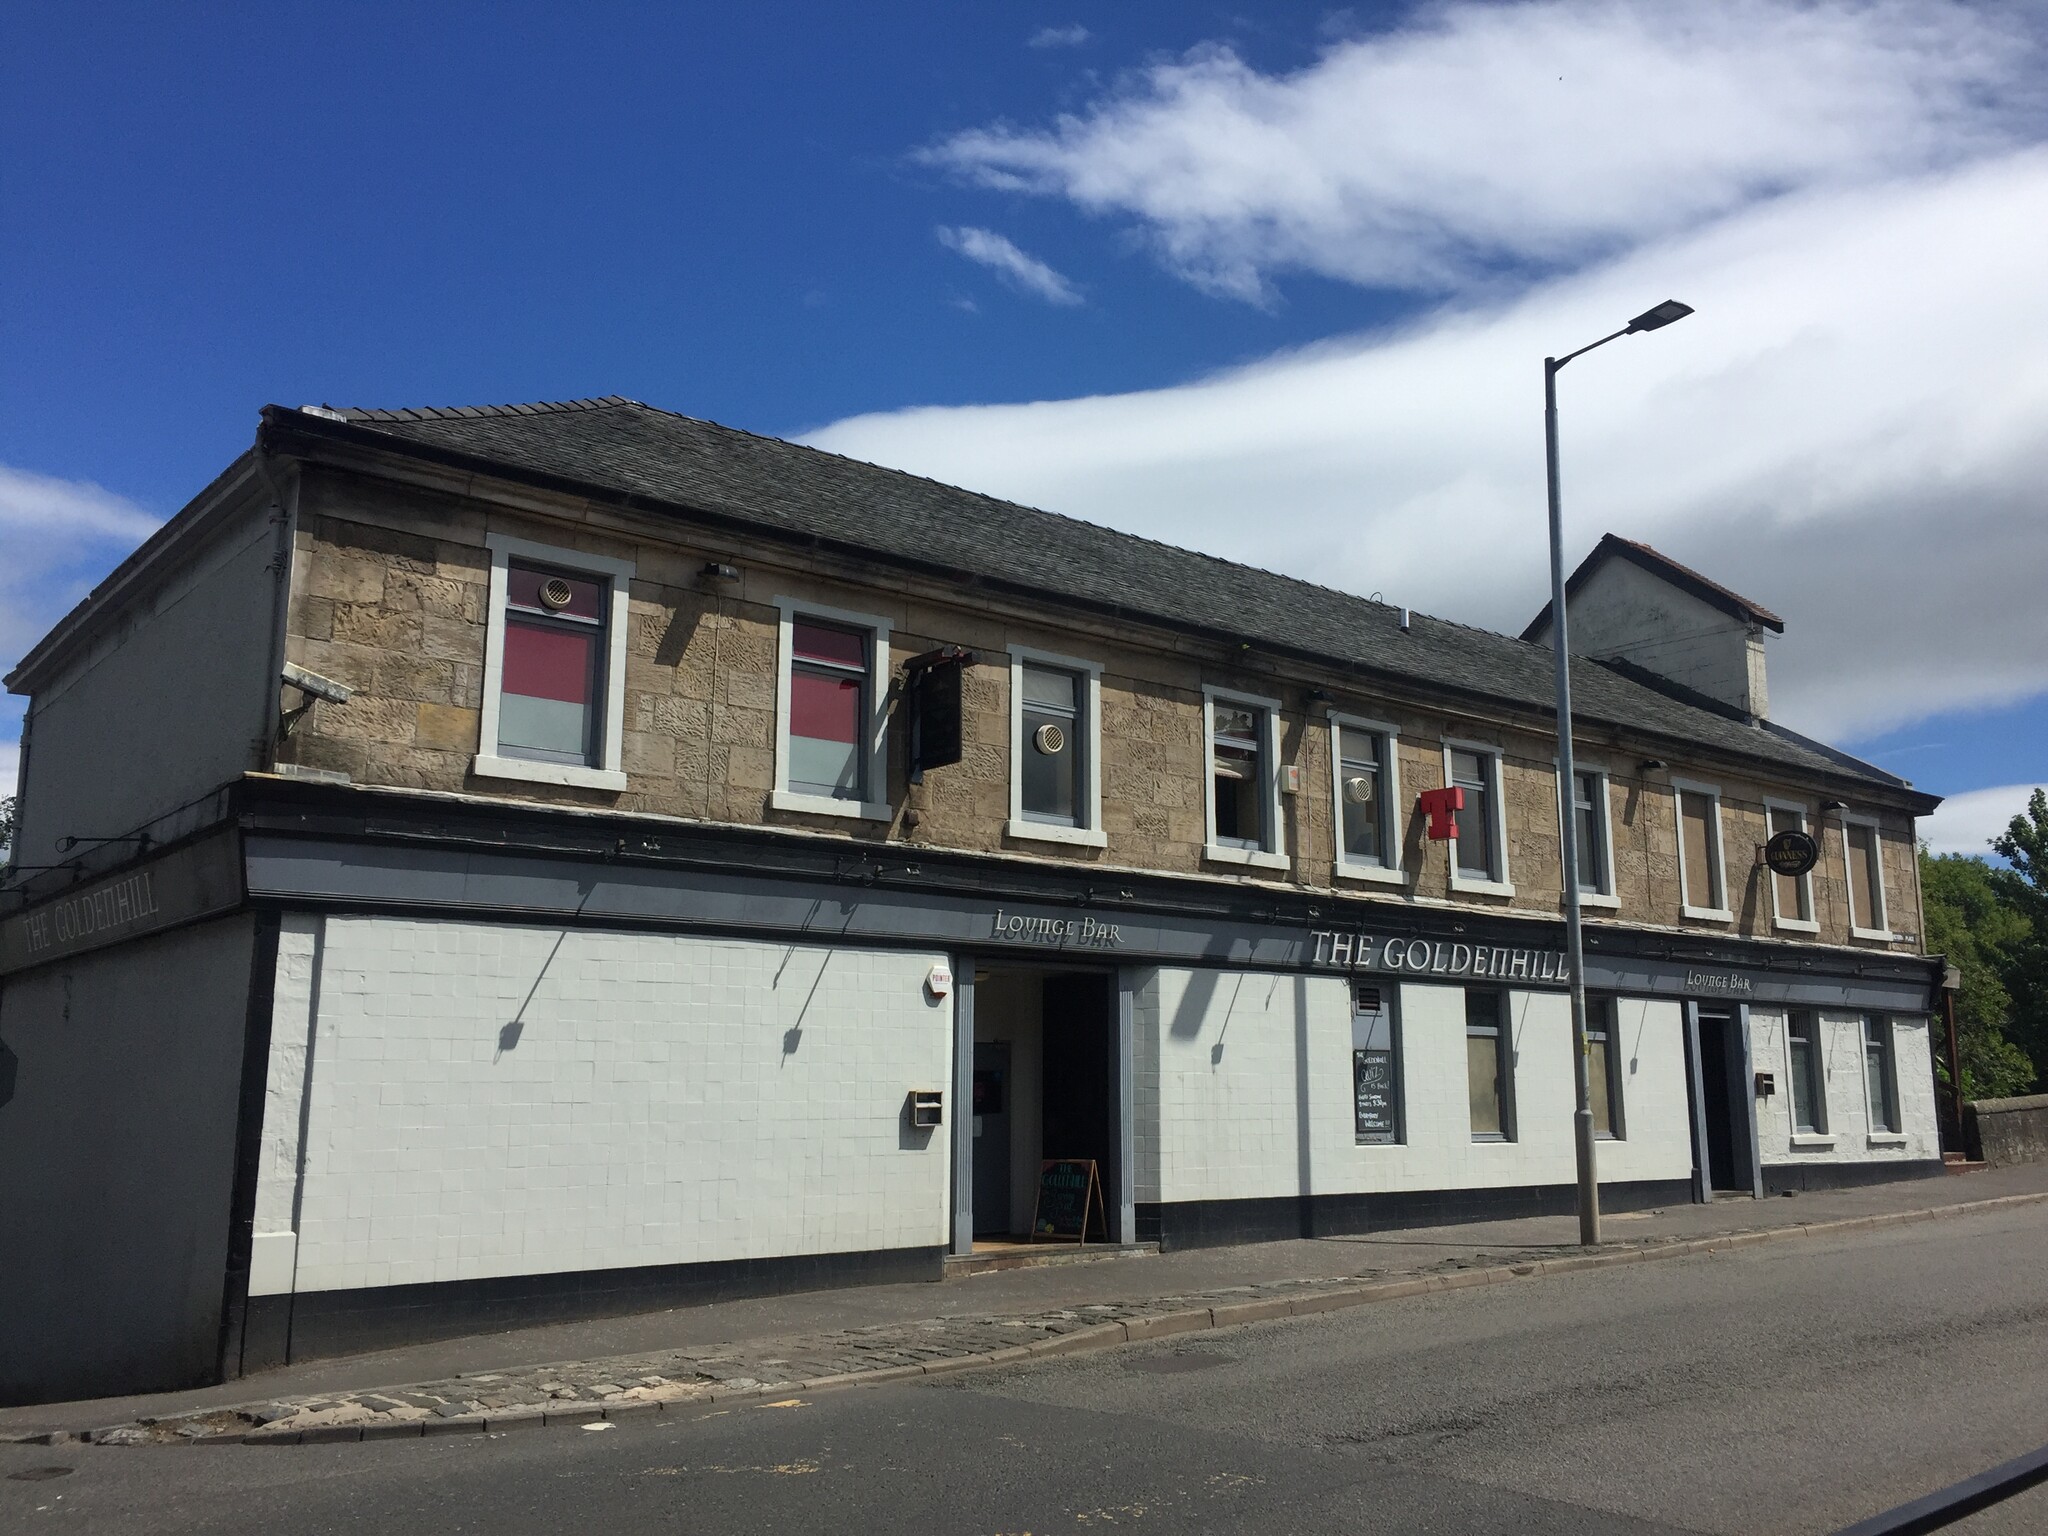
column 1218, row 1223
column 318, row 1324
column 1805, row 1176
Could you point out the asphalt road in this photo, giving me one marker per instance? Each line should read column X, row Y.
column 1791, row 1387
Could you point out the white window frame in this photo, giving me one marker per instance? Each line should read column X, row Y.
column 619, row 574
column 1822, row 1135
column 1881, row 929
column 1722, row 913
column 1500, row 884
column 1793, row 923
column 1270, row 856
column 1608, row 897
column 1089, row 833
column 1388, row 872
column 876, row 774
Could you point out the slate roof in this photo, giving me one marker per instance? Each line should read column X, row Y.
column 622, row 446
column 1613, row 546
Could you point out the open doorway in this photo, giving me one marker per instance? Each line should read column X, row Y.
column 1045, row 1043
column 1723, row 1111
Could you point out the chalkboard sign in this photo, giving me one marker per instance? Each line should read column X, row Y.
column 1069, row 1201
column 1372, row 1078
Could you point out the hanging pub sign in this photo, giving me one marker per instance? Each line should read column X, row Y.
column 937, row 719
column 1791, row 853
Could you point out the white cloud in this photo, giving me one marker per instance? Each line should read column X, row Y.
column 1023, row 272
column 1485, row 137
column 1853, row 430
column 1967, row 823
column 1060, row 37
column 57, row 537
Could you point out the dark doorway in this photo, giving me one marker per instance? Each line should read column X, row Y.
column 1727, row 1149
column 1045, row 1087
column 991, row 1138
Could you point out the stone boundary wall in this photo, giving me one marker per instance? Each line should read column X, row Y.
column 2010, row 1130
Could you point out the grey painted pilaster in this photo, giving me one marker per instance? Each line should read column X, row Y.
column 1747, row 1089
column 1126, row 1106
column 960, row 1113
column 1695, row 1093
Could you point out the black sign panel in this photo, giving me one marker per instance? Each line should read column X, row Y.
column 936, row 717
column 1372, row 1080
column 1069, row 1200
column 1791, row 853
column 192, row 882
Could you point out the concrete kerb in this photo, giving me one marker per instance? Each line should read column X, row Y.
column 1078, row 1341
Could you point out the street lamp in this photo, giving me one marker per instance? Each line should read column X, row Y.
column 1568, row 789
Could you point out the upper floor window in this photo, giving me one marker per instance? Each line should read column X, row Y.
column 1804, row 1066
column 832, row 691
column 1701, row 878
column 1864, row 856
column 1791, row 895
column 554, row 666
column 1368, row 794
column 1479, row 855
column 1055, row 772
column 1244, row 780
column 1591, row 830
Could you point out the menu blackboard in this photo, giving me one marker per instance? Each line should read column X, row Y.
column 1372, row 1080
column 1069, row 1201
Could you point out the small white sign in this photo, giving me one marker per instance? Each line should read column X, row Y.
column 940, row 980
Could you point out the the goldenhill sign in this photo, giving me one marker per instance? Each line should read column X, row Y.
column 190, row 882
column 1432, row 957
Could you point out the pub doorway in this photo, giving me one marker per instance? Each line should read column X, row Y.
column 1722, row 1105
column 1045, row 1087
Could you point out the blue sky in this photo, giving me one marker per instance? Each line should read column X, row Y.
column 1277, row 287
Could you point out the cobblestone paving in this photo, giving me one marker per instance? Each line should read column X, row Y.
column 587, row 1390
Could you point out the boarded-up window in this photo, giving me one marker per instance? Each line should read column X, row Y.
column 1488, row 1067
column 1794, row 896
column 1866, row 877
column 1700, row 844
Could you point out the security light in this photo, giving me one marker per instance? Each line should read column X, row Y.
column 1661, row 316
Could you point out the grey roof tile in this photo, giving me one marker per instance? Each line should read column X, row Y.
column 625, row 446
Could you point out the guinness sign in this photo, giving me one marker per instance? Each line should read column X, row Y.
column 1791, row 853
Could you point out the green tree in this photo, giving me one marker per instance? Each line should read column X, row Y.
column 1976, row 925
column 2024, row 845
column 6, row 823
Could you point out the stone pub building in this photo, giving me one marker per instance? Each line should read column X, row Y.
column 475, row 867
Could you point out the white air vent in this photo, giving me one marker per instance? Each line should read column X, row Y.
column 1049, row 739
column 1358, row 789
column 555, row 593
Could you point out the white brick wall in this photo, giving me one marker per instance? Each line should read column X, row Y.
column 489, row 1099
column 1844, row 1087
column 1225, row 1055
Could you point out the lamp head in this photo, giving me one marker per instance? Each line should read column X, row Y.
column 1656, row 319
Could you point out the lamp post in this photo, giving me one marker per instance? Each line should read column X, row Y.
column 1568, row 789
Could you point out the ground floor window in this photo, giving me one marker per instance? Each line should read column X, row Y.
column 1809, row 1105
column 1602, row 1068
column 1375, row 1064
column 1880, row 1077
column 1489, row 1070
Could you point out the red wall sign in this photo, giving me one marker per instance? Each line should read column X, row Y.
column 1440, row 806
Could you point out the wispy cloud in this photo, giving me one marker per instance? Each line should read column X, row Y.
column 1025, row 273
column 1484, row 138
column 57, row 537
column 1060, row 37
column 1967, row 823
column 1853, row 430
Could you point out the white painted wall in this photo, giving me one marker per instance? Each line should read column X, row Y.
column 1226, row 1059
column 490, row 1099
column 1623, row 610
column 1849, row 1138
column 176, row 683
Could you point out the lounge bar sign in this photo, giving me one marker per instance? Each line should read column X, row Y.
column 1429, row 957
column 195, row 881
column 1057, row 932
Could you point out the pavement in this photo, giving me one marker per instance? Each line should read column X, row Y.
column 679, row 1361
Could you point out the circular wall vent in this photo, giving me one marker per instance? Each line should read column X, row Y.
column 1049, row 739
column 555, row 593
column 1358, row 790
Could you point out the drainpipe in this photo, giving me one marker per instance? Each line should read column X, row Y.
column 286, row 517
